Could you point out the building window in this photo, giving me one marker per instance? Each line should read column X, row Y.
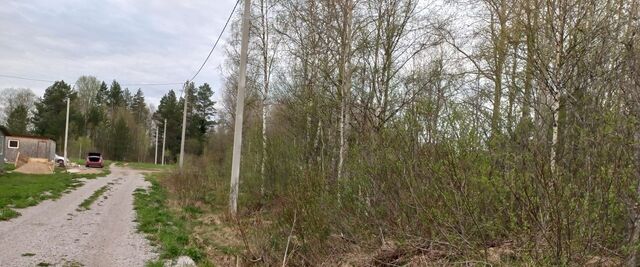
column 14, row 143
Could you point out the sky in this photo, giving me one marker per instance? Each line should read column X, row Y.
column 132, row 41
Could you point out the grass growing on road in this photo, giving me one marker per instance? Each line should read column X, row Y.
column 160, row 224
column 7, row 213
column 86, row 204
column 145, row 165
column 18, row 190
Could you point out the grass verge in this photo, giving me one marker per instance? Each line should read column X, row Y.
column 164, row 229
column 86, row 204
column 18, row 190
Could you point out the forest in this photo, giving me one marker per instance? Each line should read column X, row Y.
column 110, row 119
column 451, row 132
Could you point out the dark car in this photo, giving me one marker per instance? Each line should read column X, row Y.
column 94, row 160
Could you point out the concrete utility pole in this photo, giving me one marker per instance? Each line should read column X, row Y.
column 155, row 161
column 184, row 122
column 164, row 139
column 237, row 137
column 66, row 133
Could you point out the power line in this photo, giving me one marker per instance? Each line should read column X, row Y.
column 49, row 81
column 152, row 84
column 217, row 40
column 149, row 84
column 24, row 78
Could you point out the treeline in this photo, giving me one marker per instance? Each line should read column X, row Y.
column 396, row 129
column 110, row 119
column 200, row 119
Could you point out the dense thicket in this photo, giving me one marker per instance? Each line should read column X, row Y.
column 398, row 123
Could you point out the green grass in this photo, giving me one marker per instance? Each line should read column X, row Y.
column 18, row 190
column 162, row 226
column 7, row 213
column 86, row 204
column 77, row 161
column 9, row 167
column 145, row 166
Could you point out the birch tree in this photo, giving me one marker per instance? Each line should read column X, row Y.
column 268, row 49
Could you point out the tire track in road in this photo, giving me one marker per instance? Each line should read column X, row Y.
column 54, row 232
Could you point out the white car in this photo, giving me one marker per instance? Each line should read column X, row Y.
column 61, row 161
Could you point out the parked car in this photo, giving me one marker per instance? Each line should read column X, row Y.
column 94, row 160
column 60, row 161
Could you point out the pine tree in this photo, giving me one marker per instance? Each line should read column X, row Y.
column 18, row 119
column 128, row 98
column 116, row 97
column 204, row 110
column 120, row 139
column 49, row 119
column 170, row 110
column 139, row 107
column 103, row 94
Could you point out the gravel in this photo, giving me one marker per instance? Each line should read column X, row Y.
column 54, row 233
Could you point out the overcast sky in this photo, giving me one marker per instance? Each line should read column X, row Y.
column 132, row 41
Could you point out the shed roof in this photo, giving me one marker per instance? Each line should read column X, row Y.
column 30, row 137
column 6, row 132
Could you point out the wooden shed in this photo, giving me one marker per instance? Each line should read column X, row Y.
column 30, row 146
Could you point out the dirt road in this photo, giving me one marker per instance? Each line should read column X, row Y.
column 55, row 233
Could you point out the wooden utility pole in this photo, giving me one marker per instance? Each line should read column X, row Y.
column 155, row 161
column 184, row 123
column 237, row 137
column 164, row 139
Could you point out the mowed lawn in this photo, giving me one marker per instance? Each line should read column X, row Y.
column 19, row 190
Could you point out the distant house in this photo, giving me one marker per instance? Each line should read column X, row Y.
column 30, row 146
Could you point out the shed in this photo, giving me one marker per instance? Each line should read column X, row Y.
column 30, row 146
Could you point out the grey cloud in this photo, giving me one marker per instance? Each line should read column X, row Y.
column 151, row 41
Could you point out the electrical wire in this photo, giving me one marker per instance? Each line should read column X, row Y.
column 153, row 84
column 24, row 78
column 49, row 81
column 149, row 84
column 217, row 40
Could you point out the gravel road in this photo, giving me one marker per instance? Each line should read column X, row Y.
column 54, row 233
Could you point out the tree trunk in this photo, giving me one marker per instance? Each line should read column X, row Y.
column 345, row 77
column 265, row 91
column 555, row 110
column 500, row 42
